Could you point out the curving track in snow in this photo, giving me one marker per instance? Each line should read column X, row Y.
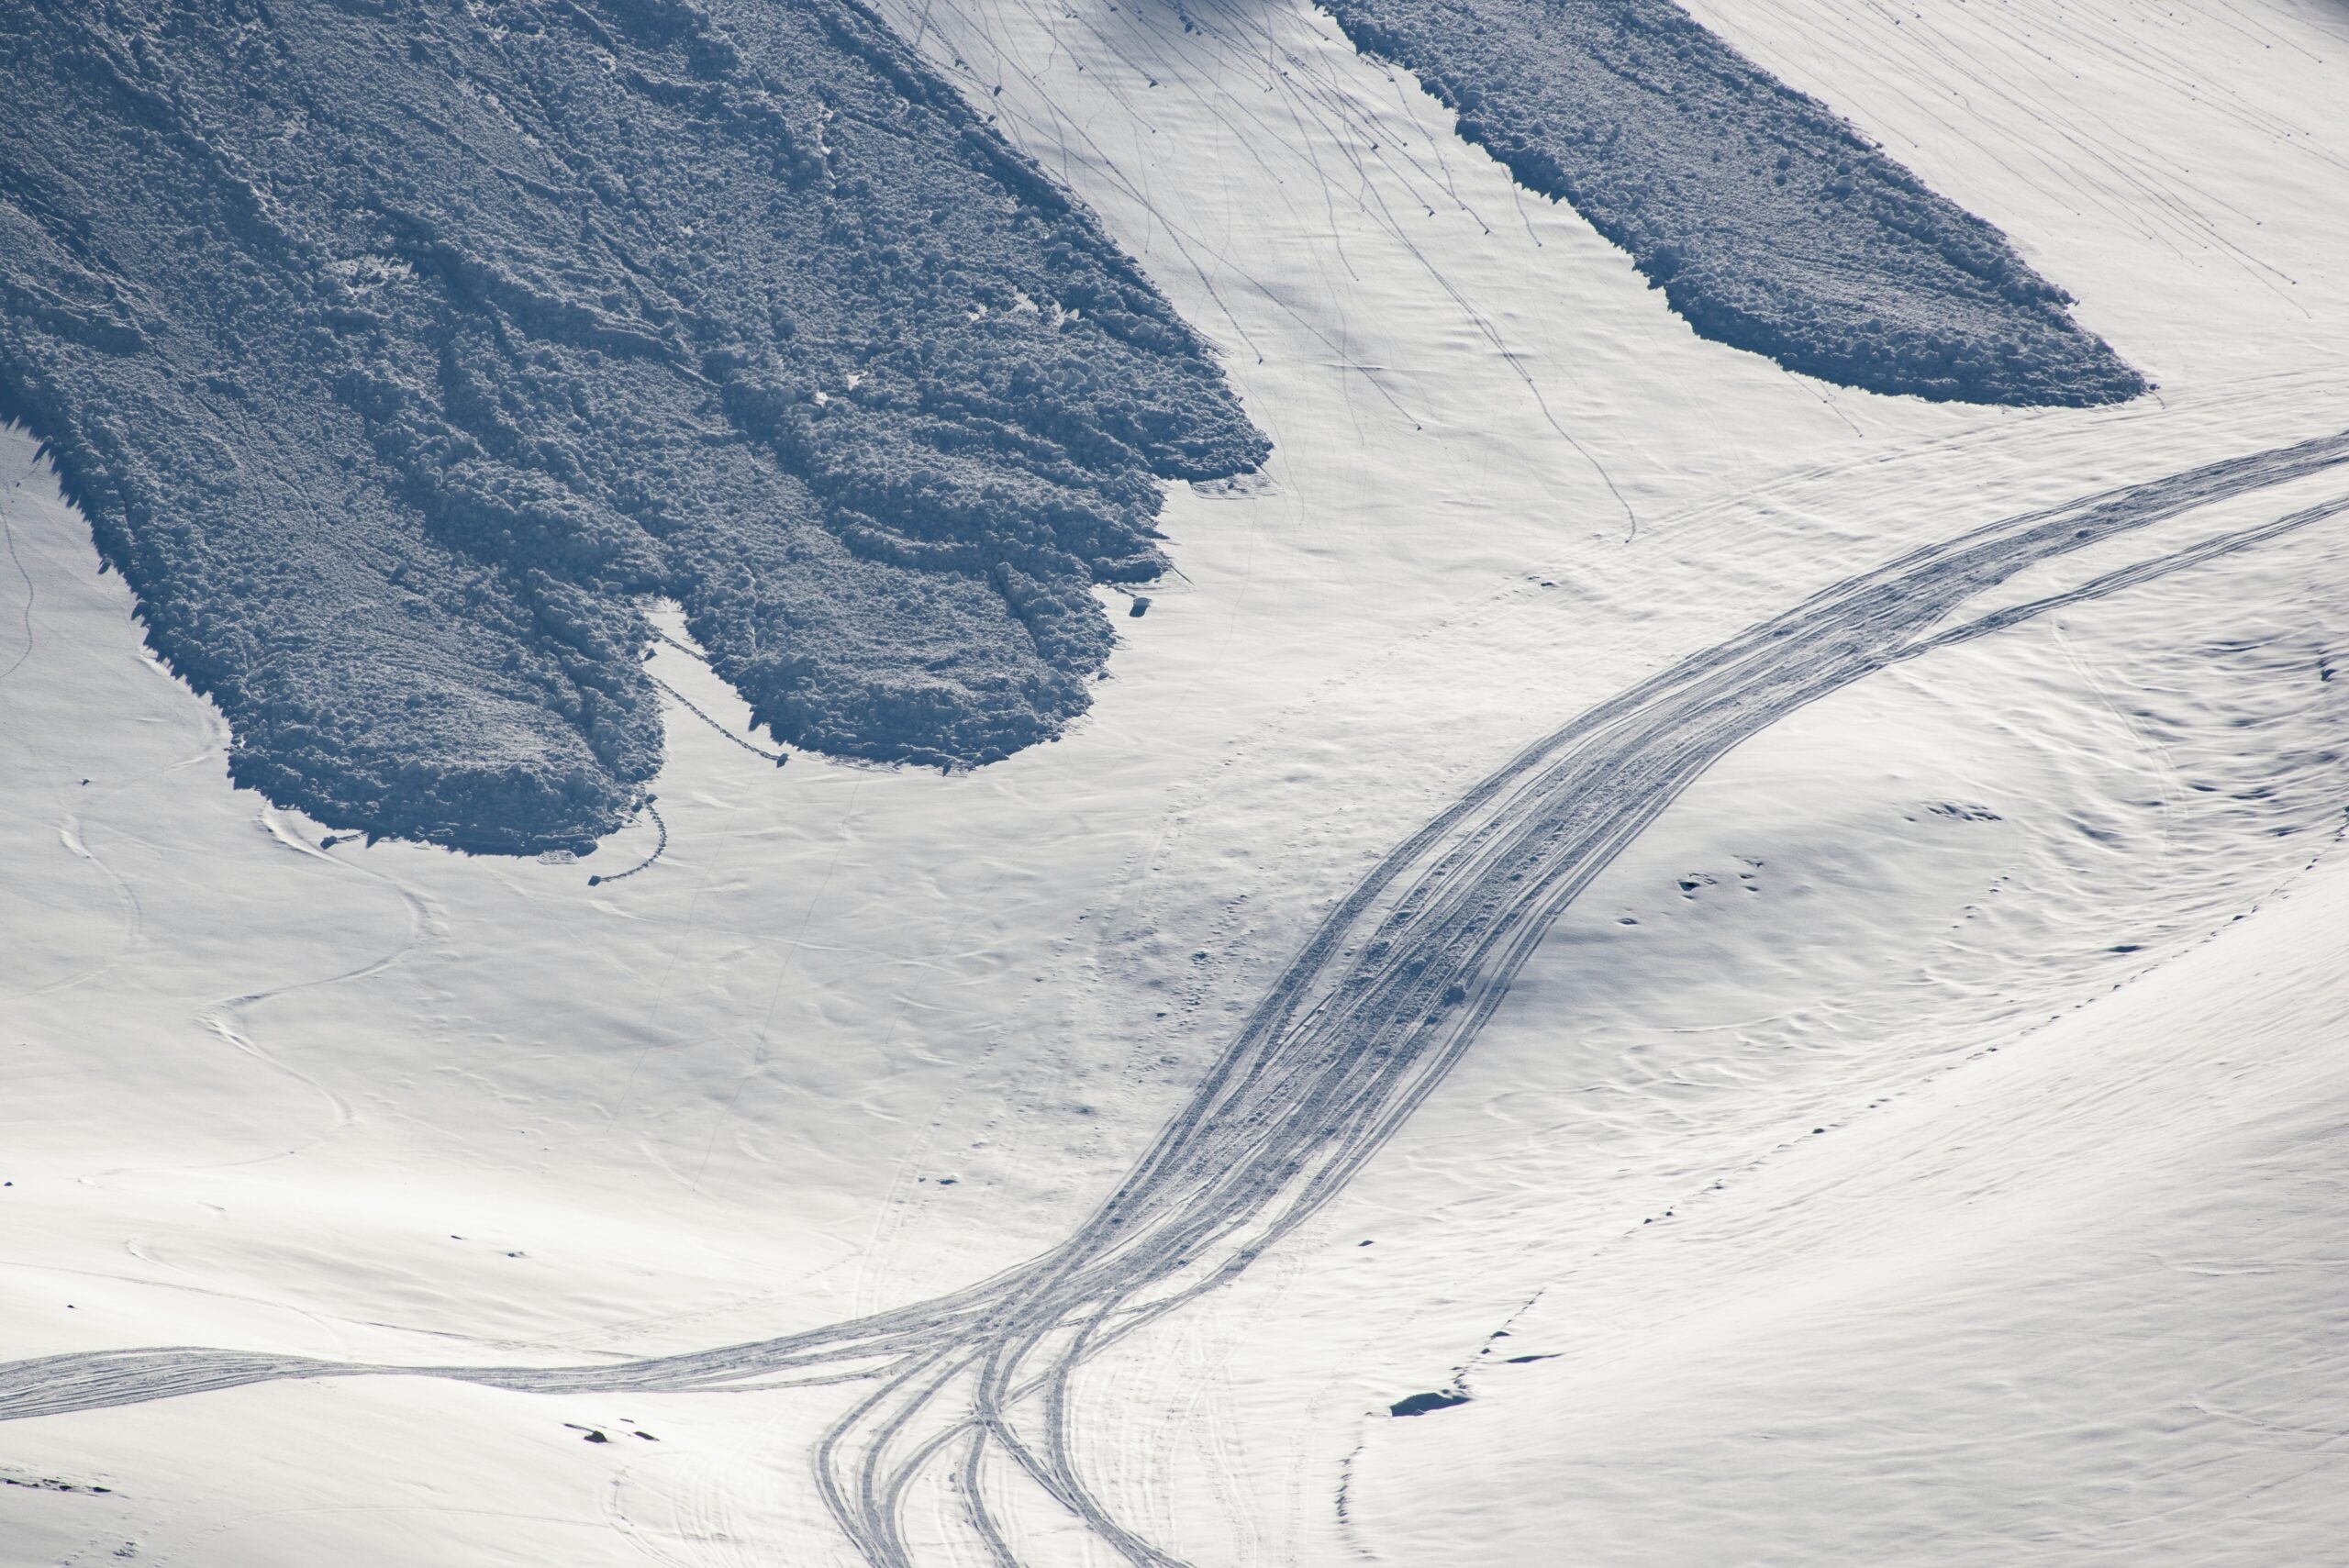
column 972, row 1391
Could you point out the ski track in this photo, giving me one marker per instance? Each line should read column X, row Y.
column 777, row 757
column 660, row 848
column 972, row 1390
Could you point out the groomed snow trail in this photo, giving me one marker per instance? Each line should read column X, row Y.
column 972, row 1390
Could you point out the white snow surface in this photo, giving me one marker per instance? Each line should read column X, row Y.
column 1922, row 1147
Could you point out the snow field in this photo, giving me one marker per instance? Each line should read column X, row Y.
column 712, row 1102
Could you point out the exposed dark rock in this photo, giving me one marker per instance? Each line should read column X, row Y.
column 396, row 350
column 1420, row 1404
column 1767, row 221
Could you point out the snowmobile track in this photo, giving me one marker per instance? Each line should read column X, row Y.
column 974, row 1388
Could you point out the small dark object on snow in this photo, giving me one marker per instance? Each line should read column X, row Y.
column 1420, row 1404
column 1142, row 607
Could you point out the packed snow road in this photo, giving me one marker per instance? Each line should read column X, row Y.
column 973, row 1392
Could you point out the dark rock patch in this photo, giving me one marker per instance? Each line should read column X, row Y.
column 396, row 350
column 1768, row 222
column 1420, row 1404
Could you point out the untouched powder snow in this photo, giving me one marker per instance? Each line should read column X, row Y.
column 868, row 1036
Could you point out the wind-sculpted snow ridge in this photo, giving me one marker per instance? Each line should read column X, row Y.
column 397, row 349
column 972, row 1392
column 1768, row 222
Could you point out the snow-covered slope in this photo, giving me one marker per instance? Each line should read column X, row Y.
column 392, row 1104
column 2076, row 1302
